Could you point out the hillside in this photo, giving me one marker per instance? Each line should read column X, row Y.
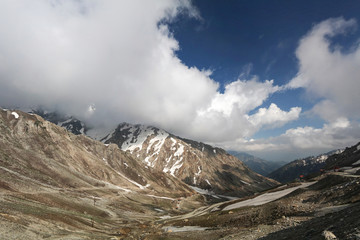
column 256, row 164
column 59, row 183
column 346, row 159
column 325, row 207
column 298, row 167
column 195, row 163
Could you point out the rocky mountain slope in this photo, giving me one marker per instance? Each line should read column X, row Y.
column 349, row 158
column 324, row 207
column 57, row 185
column 298, row 167
column 53, row 182
column 195, row 163
column 256, row 164
column 327, row 206
column 70, row 123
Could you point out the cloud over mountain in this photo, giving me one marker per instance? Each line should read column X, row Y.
column 114, row 61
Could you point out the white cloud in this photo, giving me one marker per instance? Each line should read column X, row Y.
column 327, row 72
column 302, row 141
column 227, row 117
column 119, row 57
column 330, row 76
column 274, row 116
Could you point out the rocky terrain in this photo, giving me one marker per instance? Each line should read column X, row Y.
column 347, row 159
column 256, row 164
column 305, row 166
column 57, row 185
column 54, row 183
column 195, row 163
column 70, row 123
column 327, row 207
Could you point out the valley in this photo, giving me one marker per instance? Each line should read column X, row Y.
column 57, row 185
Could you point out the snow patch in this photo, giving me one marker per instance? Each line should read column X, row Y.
column 108, row 136
column 207, row 181
column 168, row 198
column 178, row 164
column 356, row 163
column 245, row 182
column 159, row 210
column 157, row 142
column 202, row 191
column 179, row 151
column 15, row 114
column 211, row 193
column 100, row 133
column 265, row 198
column 322, row 158
column 184, row 229
column 136, row 138
column 197, row 174
column 173, row 142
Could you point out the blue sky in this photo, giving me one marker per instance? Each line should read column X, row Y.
column 238, row 39
column 244, row 38
column 277, row 79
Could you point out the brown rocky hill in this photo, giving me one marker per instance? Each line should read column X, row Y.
column 50, row 155
column 54, row 183
column 195, row 163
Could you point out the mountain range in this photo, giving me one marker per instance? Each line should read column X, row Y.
column 208, row 169
column 304, row 166
column 256, row 164
column 141, row 182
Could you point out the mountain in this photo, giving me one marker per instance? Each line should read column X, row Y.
column 346, row 159
column 195, row 163
column 57, row 185
column 256, row 164
column 299, row 167
column 70, row 123
column 324, row 206
column 60, row 183
column 208, row 169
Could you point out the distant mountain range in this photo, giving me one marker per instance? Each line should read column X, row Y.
column 256, row 164
column 197, row 164
column 303, row 166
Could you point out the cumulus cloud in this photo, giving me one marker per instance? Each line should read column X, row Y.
column 227, row 115
column 113, row 61
column 302, row 141
column 330, row 76
column 274, row 116
column 327, row 73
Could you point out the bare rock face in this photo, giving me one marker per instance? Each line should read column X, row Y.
column 195, row 163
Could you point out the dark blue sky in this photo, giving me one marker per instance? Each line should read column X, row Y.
column 246, row 38
column 234, row 35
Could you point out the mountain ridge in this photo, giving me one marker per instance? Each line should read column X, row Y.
column 195, row 163
column 256, row 164
column 303, row 166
